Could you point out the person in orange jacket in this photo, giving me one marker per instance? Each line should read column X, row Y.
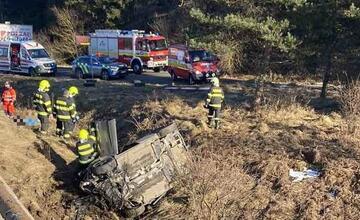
column 8, row 98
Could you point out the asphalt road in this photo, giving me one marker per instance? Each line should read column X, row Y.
column 161, row 78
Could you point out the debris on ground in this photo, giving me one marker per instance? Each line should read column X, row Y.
column 301, row 175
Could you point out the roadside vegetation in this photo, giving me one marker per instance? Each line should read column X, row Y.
column 273, row 118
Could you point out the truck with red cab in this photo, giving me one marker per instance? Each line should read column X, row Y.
column 132, row 47
column 194, row 65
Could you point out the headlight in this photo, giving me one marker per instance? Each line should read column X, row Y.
column 197, row 72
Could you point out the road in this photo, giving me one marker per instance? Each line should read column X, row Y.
column 161, row 78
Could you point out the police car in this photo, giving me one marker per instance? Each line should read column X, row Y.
column 104, row 67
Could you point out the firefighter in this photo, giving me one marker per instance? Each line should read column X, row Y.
column 42, row 105
column 8, row 98
column 92, row 133
column 73, row 91
column 86, row 149
column 64, row 111
column 213, row 102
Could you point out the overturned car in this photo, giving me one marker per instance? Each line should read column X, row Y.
column 139, row 176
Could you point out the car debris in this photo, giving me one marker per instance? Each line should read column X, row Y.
column 301, row 175
column 139, row 176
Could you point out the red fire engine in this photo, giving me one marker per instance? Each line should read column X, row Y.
column 135, row 48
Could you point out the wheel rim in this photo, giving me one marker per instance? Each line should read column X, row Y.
column 136, row 68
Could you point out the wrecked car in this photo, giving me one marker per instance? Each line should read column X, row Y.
column 139, row 176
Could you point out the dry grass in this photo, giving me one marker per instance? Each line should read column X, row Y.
column 241, row 170
column 242, row 173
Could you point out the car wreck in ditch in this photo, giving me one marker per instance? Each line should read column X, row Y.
column 138, row 177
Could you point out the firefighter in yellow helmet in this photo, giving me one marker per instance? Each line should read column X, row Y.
column 213, row 102
column 42, row 104
column 86, row 148
column 63, row 112
column 73, row 91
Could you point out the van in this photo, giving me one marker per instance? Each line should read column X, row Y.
column 193, row 65
column 19, row 53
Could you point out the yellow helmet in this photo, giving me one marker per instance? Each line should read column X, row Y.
column 73, row 90
column 44, row 84
column 83, row 134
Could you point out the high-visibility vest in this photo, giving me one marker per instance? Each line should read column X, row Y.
column 215, row 97
column 86, row 151
column 8, row 95
column 42, row 103
column 63, row 108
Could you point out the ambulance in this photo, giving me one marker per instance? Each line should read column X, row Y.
column 20, row 54
column 132, row 47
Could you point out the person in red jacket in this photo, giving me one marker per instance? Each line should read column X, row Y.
column 8, row 98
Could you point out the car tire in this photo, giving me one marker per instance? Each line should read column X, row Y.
column 32, row 72
column 79, row 74
column 157, row 69
column 191, row 80
column 137, row 67
column 105, row 75
column 134, row 212
column 167, row 130
column 103, row 165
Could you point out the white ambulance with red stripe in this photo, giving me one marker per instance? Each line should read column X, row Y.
column 19, row 53
column 134, row 48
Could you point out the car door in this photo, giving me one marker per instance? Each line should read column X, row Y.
column 25, row 62
column 96, row 66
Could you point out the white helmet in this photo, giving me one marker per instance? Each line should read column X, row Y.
column 215, row 81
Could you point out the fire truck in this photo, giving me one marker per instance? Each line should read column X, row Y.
column 134, row 48
column 194, row 65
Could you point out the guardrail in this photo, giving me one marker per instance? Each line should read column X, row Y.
column 10, row 206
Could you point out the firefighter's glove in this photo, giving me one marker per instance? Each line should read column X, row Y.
column 76, row 119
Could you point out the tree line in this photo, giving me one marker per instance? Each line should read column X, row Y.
column 281, row 36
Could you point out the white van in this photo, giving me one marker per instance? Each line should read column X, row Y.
column 18, row 53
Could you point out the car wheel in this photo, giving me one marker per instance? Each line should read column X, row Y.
column 32, row 72
column 191, row 80
column 136, row 66
column 104, row 75
column 157, row 69
column 134, row 212
column 167, row 130
column 103, row 165
column 79, row 74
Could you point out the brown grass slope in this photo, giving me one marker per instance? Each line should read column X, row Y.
column 240, row 171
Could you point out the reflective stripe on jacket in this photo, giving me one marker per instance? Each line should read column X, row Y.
column 72, row 107
column 42, row 103
column 215, row 97
column 63, row 109
column 86, row 151
column 8, row 95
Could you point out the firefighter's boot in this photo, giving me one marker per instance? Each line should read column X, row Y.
column 217, row 124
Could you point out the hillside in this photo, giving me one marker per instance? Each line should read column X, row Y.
column 239, row 171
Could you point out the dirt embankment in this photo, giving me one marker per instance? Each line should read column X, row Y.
column 32, row 167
